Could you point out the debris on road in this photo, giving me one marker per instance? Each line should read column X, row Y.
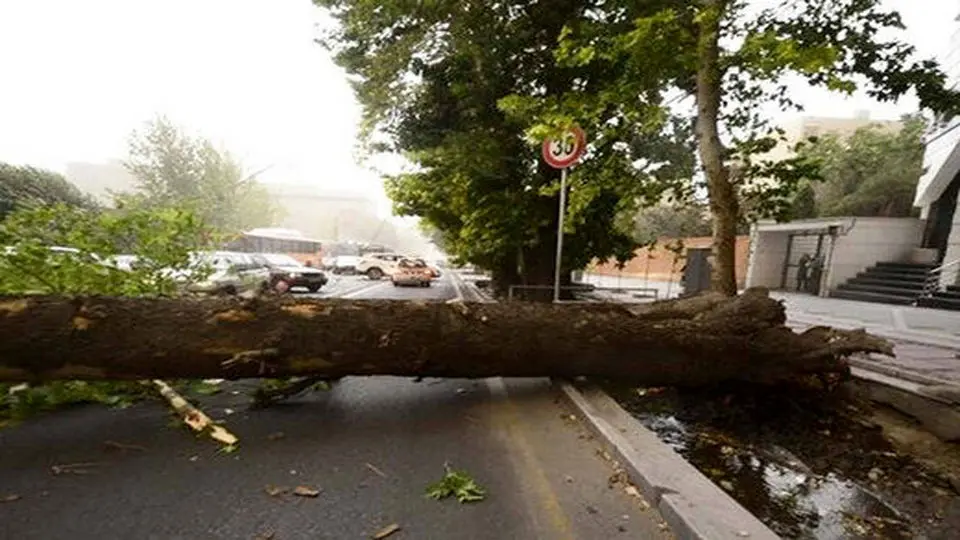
column 73, row 468
column 275, row 491
column 276, row 436
column 195, row 418
column 114, row 445
column 386, row 531
column 305, row 491
column 10, row 498
column 374, row 468
column 458, row 484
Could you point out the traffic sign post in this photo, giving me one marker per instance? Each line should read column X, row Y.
column 560, row 153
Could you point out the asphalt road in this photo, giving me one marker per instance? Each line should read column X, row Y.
column 370, row 445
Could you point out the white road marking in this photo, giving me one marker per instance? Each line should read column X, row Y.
column 362, row 290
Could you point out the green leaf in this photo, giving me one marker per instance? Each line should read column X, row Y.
column 457, row 484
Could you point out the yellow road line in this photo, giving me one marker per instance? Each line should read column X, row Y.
column 506, row 414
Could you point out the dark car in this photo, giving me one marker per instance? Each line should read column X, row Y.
column 285, row 269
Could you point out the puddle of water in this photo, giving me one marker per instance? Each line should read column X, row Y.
column 770, row 481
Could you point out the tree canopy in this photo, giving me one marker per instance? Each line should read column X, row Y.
column 731, row 61
column 675, row 97
column 25, row 186
column 874, row 172
column 176, row 170
column 432, row 78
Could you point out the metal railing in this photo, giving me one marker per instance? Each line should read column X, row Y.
column 646, row 292
column 932, row 284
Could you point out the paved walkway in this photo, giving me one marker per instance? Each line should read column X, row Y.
column 927, row 341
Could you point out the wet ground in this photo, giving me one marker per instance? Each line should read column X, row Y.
column 808, row 466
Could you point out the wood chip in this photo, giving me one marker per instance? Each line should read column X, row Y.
column 275, row 491
column 386, row 531
column 72, row 468
column 304, row 491
column 114, row 445
column 10, row 498
column 374, row 468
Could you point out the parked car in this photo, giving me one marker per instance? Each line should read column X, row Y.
column 411, row 272
column 233, row 273
column 345, row 264
column 286, row 269
column 377, row 265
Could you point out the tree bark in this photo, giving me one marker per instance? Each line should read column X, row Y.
column 695, row 341
column 724, row 205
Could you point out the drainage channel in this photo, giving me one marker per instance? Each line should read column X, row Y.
column 806, row 467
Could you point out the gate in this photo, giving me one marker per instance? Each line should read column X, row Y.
column 804, row 252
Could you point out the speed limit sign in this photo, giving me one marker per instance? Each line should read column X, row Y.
column 563, row 151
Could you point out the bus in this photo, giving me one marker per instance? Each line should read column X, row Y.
column 275, row 240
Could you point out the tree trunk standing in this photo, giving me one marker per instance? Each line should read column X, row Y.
column 724, row 206
column 696, row 341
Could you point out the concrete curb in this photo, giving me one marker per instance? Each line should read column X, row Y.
column 694, row 507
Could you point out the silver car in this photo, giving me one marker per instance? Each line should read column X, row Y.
column 232, row 273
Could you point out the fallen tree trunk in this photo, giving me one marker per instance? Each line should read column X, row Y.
column 690, row 342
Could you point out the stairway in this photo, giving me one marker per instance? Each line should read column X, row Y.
column 886, row 283
column 948, row 299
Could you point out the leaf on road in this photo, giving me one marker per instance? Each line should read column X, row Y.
column 304, row 491
column 386, row 531
column 276, row 436
column 458, row 484
column 10, row 498
column 275, row 491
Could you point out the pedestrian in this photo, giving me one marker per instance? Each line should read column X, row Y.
column 816, row 272
column 802, row 268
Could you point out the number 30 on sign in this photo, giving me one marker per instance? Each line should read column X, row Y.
column 563, row 151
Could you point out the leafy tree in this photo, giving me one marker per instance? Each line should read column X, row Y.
column 30, row 186
column 162, row 241
column 872, row 173
column 671, row 221
column 444, row 83
column 804, row 204
column 176, row 170
column 731, row 59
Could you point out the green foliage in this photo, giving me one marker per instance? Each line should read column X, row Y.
column 804, row 205
column 28, row 186
column 458, row 484
column 447, row 83
column 176, row 170
column 874, row 172
column 672, row 221
column 18, row 402
column 161, row 240
column 731, row 60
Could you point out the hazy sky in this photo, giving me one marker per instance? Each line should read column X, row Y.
column 78, row 76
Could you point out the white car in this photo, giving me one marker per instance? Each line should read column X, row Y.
column 345, row 264
column 377, row 265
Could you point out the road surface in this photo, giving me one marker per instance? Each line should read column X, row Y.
column 370, row 445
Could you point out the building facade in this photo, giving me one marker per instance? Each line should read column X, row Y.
column 939, row 187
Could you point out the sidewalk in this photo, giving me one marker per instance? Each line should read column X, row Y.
column 927, row 341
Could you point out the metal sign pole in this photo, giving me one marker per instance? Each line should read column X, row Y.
column 563, row 204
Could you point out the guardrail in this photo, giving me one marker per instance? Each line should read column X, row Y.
column 511, row 291
column 932, row 283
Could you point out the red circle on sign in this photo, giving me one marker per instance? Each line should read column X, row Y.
column 565, row 151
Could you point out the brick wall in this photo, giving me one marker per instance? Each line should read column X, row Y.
column 661, row 264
